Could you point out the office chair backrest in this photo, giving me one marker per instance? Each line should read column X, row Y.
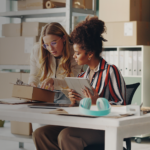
column 130, row 90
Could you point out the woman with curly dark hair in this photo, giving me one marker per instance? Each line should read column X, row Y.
column 105, row 79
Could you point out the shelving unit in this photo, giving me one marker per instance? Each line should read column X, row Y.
column 142, row 94
column 67, row 12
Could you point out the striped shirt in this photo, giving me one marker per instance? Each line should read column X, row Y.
column 108, row 82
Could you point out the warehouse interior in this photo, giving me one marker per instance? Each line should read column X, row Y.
column 128, row 47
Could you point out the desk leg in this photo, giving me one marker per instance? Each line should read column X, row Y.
column 113, row 139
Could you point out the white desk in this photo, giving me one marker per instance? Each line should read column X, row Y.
column 115, row 129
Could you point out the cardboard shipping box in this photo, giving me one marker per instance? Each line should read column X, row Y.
column 5, row 87
column 39, row 4
column 16, row 50
column 127, row 33
column 33, row 93
column 21, row 128
column 11, row 30
column 124, row 10
column 32, row 28
column 21, row 5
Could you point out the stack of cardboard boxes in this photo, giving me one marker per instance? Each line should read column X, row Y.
column 127, row 24
column 15, row 49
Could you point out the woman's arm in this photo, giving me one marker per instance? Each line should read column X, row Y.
column 35, row 74
column 117, row 87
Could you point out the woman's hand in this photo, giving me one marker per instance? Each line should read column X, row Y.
column 33, row 84
column 87, row 94
column 73, row 96
column 48, row 84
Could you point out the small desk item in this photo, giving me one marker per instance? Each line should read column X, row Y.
column 77, row 84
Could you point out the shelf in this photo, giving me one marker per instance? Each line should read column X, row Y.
column 54, row 12
column 132, row 76
column 21, row 67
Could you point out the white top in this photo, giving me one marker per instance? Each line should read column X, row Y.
column 59, row 82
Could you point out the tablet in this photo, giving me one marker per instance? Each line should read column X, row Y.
column 78, row 84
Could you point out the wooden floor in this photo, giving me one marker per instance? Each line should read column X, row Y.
column 12, row 145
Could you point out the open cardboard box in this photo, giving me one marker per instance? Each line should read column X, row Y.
column 33, row 93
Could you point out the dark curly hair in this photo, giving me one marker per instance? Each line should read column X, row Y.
column 88, row 34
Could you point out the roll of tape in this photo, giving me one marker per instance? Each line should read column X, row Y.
column 49, row 4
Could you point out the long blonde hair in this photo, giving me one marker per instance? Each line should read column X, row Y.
column 44, row 58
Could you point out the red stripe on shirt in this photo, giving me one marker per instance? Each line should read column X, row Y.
column 100, row 75
column 112, row 92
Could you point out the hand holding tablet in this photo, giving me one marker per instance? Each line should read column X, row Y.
column 77, row 84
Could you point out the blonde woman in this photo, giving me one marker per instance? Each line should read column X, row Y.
column 52, row 60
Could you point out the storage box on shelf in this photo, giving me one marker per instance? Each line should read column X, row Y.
column 38, row 4
column 128, row 10
column 32, row 28
column 127, row 33
column 16, row 50
column 142, row 65
column 12, row 30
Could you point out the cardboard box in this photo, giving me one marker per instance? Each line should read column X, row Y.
column 32, row 28
column 11, row 30
column 16, row 50
column 21, row 128
column 127, row 33
column 124, row 10
column 5, row 87
column 32, row 93
column 21, row 5
column 38, row 4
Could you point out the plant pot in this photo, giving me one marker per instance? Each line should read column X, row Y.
column 2, row 123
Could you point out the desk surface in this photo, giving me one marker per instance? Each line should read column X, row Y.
column 25, row 114
column 115, row 129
